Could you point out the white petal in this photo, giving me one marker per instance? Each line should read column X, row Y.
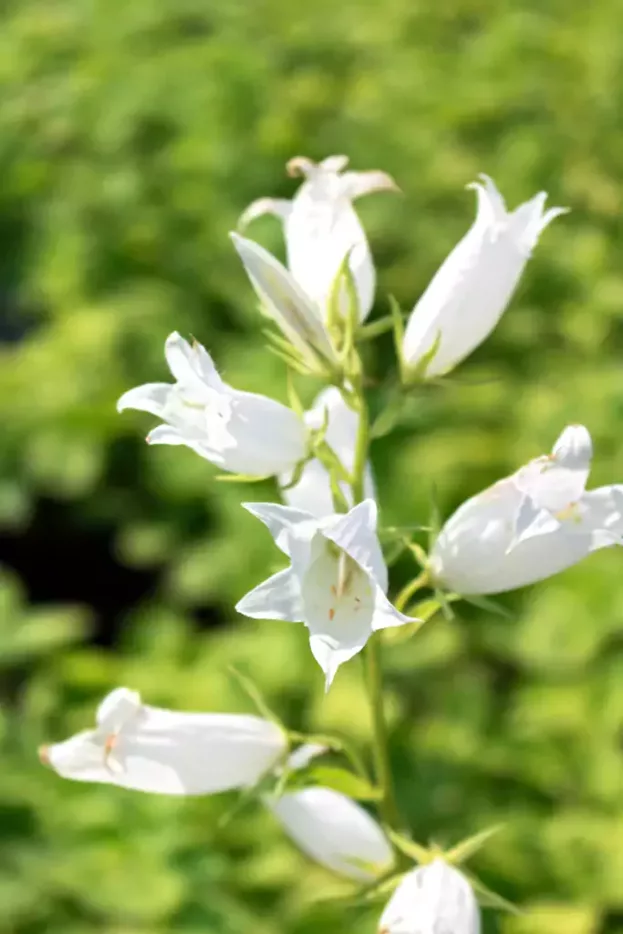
column 173, row 753
column 531, row 521
column 356, row 184
column 574, row 448
column 301, row 757
column 557, row 481
column 339, row 604
column 334, row 831
column 603, row 510
column 262, row 437
column 433, row 898
column 151, row 397
column 118, row 708
column 280, row 207
column 321, row 230
column 355, row 532
column 313, row 491
column 286, row 302
column 179, row 355
column 281, row 521
column 165, row 434
column 386, row 615
column 471, row 554
column 469, row 293
column 278, row 597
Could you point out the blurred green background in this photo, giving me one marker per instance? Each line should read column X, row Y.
column 132, row 134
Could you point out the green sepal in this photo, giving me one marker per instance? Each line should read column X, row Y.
column 485, row 603
column 417, row 373
column 367, row 332
column 396, row 635
column 489, row 899
column 251, row 690
column 349, row 784
column 410, row 848
column 466, row 848
column 241, row 478
column 293, row 397
column 334, row 744
column 423, row 611
column 297, row 473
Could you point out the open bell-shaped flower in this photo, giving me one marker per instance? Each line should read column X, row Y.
column 336, row 582
column 312, row 492
column 240, row 432
column 530, row 525
column 321, row 228
column 433, row 899
column 469, row 293
column 168, row 752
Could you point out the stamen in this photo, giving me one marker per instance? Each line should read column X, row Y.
column 331, row 614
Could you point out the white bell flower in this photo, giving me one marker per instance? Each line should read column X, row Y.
column 336, row 582
column 241, row 432
column 312, row 493
column 321, row 227
column 334, row 831
column 166, row 752
column 469, row 293
column 530, row 525
column 433, row 899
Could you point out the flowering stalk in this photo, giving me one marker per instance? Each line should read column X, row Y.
column 372, row 651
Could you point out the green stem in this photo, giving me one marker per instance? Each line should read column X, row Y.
column 372, row 651
column 361, row 448
column 409, row 589
column 382, row 767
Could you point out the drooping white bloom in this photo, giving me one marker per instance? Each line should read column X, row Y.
column 434, row 899
column 313, row 491
column 530, row 525
column 336, row 582
column 335, row 831
column 321, row 227
column 469, row 293
column 166, row 752
column 241, row 432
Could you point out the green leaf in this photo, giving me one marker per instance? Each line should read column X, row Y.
column 354, row 786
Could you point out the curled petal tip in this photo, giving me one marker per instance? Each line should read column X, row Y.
column 44, row 755
column 299, row 165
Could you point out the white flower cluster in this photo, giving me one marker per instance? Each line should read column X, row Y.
column 524, row 528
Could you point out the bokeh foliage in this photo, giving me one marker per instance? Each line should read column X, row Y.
column 132, row 134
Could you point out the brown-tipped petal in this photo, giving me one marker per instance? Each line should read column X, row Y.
column 300, row 165
column 44, row 755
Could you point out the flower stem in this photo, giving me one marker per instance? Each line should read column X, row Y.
column 411, row 588
column 361, row 449
column 372, row 651
column 382, row 767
